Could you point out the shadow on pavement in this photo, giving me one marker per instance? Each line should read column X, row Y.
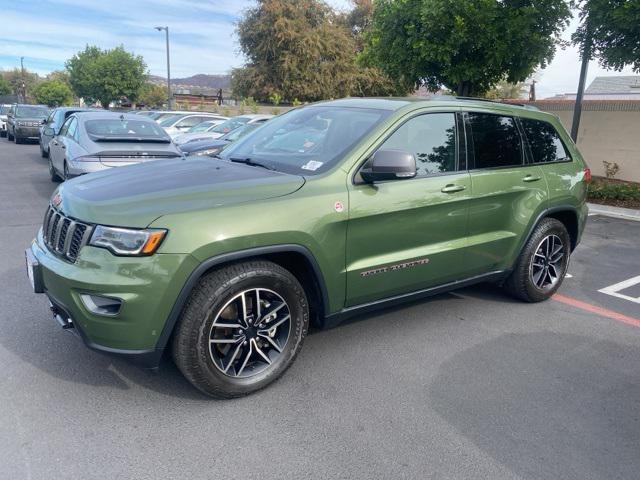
column 535, row 402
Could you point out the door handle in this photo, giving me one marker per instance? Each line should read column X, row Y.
column 451, row 188
column 531, row 178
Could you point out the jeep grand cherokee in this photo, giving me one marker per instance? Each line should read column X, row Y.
column 325, row 211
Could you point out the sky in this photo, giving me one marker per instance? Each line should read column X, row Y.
column 48, row 32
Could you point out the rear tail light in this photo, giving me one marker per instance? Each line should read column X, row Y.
column 586, row 175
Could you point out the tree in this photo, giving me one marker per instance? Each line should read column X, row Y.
column 16, row 77
column 152, row 95
column 466, row 45
column 300, row 49
column 505, row 89
column 611, row 31
column 54, row 93
column 106, row 75
column 5, row 87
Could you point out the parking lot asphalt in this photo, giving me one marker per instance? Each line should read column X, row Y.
column 466, row 385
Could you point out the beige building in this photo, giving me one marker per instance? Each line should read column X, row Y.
column 609, row 130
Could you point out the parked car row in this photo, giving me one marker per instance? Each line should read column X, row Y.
column 80, row 140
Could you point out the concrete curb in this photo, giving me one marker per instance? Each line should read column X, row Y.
column 616, row 212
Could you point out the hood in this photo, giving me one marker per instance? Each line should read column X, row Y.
column 136, row 195
column 29, row 119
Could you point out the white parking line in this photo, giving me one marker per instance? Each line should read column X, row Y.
column 614, row 290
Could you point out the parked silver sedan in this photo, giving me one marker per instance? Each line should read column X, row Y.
column 93, row 141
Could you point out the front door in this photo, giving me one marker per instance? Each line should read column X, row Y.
column 407, row 235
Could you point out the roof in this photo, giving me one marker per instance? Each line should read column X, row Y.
column 395, row 103
column 97, row 115
column 622, row 84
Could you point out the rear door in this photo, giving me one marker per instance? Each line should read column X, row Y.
column 507, row 191
column 407, row 235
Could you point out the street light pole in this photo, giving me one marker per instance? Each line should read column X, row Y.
column 166, row 31
column 577, row 109
column 24, row 86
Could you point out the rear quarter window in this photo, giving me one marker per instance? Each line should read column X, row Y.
column 545, row 144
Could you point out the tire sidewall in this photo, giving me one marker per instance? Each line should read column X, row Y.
column 548, row 227
column 281, row 284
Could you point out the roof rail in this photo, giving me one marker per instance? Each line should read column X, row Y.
column 488, row 100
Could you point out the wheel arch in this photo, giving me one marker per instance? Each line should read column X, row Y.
column 295, row 258
column 566, row 214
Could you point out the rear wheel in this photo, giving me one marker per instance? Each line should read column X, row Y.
column 17, row 139
column 241, row 329
column 543, row 263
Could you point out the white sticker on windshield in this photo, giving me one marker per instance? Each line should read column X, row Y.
column 312, row 165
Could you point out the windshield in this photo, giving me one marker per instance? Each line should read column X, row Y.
column 158, row 117
column 202, row 127
column 169, row 121
column 306, row 141
column 231, row 124
column 4, row 109
column 234, row 135
column 135, row 129
column 29, row 111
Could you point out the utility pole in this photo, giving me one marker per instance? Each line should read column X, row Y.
column 166, row 31
column 577, row 109
column 23, row 89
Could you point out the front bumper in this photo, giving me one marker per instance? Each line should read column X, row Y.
column 27, row 132
column 147, row 286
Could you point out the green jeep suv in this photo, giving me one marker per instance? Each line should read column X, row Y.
column 326, row 211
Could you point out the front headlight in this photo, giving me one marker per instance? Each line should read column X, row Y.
column 211, row 151
column 126, row 241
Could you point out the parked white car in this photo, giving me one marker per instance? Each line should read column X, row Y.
column 179, row 123
column 4, row 109
column 236, row 122
column 199, row 132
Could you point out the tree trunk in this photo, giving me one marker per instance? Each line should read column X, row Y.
column 464, row 89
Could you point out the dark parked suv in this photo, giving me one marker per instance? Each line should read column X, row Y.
column 325, row 211
column 24, row 122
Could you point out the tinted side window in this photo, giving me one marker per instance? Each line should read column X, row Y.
column 544, row 142
column 65, row 127
column 71, row 129
column 190, row 121
column 431, row 138
column 496, row 141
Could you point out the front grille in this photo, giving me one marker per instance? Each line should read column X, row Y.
column 64, row 236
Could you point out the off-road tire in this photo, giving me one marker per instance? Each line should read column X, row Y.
column 190, row 342
column 520, row 283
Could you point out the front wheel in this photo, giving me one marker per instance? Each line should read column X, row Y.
column 53, row 173
column 9, row 137
column 241, row 328
column 543, row 263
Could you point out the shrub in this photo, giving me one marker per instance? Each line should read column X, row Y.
column 604, row 190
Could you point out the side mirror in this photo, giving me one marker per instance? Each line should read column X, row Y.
column 49, row 132
column 389, row 165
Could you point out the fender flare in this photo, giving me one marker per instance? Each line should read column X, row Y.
column 545, row 213
column 209, row 263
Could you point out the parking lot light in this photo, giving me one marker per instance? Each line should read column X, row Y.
column 166, row 31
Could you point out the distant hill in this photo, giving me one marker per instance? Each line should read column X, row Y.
column 199, row 81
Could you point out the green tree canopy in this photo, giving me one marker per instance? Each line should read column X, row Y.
column 301, row 49
column 106, row 75
column 54, row 93
column 614, row 30
column 153, row 95
column 466, row 45
column 5, row 87
column 16, row 77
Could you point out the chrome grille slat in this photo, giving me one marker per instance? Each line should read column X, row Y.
column 63, row 235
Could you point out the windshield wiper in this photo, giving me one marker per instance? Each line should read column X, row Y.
column 249, row 161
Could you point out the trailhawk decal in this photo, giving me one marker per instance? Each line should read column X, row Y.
column 398, row 266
